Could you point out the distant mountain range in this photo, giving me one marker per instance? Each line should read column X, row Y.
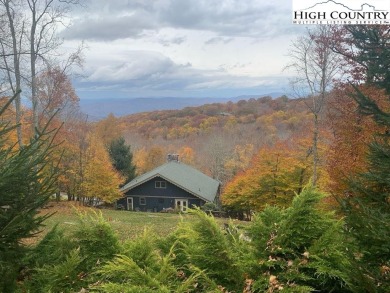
column 99, row 109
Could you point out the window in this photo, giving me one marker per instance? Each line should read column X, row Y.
column 160, row 184
column 142, row 201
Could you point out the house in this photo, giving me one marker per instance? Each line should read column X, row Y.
column 171, row 185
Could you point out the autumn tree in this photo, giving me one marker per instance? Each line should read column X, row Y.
column 351, row 134
column 315, row 66
column 44, row 19
column 274, row 177
column 29, row 42
column 108, row 129
column 187, row 155
column 55, row 94
column 147, row 160
column 72, row 138
column 122, row 158
column 240, row 159
column 100, row 179
column 59, row 104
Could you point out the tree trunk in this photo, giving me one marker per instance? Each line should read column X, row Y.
column 315, row 150
column 17, row 88
column 33, row 59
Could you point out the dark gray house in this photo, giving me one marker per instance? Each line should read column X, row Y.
column 172, row 185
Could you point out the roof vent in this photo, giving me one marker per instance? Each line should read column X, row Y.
column 173, row 158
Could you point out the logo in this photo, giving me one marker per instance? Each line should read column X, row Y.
column 341, row 12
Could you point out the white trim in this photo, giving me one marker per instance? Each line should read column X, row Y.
column 127, row 203
column 162, row 184
column 183, row 207
column 144, row 203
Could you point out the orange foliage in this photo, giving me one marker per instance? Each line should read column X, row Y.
column 8, row 118
column 276, row 174
column 352, row 132
column 187, row 155
column 146, row 160
column 100, row 180
column 206, row 119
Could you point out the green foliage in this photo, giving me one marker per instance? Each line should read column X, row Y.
column 63, row 262
column 122, row 158
column 367, row 208
column 209, row 206
column 52, row 249
column 371, row 52
column 303, row 222
column 123, row 274
column 265, row 225
column 66, row 276
column 24, row 188
column 142, row 250
column 300, row 249
column 96, row 239
column 206, row 247
column 368, row 215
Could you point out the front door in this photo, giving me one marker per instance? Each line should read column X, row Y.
column 129, row 203
column 181, row 204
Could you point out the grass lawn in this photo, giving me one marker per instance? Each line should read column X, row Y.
column 126, row 224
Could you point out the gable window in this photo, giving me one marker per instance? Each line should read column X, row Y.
column 160, row 184
column 142, row 201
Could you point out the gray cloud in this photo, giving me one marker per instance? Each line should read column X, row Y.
column 172, row 41
column 151, row 73
column 110, row 20
column 108, row 29
column 218, row 40
column 227, row 18
column 141, row 65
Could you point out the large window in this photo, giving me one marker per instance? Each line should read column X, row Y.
column 142, row 201
column 160, row 184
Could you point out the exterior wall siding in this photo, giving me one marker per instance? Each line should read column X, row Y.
column 157, row 199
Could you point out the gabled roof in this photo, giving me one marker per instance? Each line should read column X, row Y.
column 183, row 176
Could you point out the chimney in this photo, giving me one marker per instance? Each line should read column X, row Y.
column 173, row 157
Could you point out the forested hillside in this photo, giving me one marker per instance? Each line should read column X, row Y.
column 219, row 139
column 257, row 140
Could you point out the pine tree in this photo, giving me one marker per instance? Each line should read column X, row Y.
column 122, row 158
column 25, row 186
column 367, row 208
column 367, row 211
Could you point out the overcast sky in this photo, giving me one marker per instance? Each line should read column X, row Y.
column 182, row 48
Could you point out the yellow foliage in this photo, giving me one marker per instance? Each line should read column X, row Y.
column 241, row 158
column 187, row 155
column 146, row 160
column 108, row 129
column 100, row 178
column 274, row 177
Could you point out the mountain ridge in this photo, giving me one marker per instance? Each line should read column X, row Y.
column 99, row 109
